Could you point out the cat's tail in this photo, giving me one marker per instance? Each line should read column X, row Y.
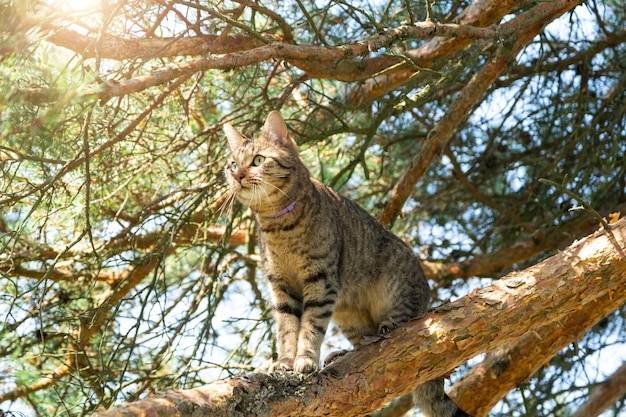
column 434, row 402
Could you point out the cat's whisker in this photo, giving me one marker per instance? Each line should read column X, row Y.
column 274, row 207
column 254, row 190
column 227, row 204
column 231, row 206
column 222, row 207
column 277, row 188
column 267, row 196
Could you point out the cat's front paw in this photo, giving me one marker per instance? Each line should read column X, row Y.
column 306, row 365
column 282, row 364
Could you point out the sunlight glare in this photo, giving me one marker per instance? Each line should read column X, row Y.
column 76, row 6
column 80, row 12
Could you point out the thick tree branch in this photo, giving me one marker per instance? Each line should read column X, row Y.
column 332, row 62
column 512, row 364
column 149, row 48
column 317, row 61
column 146, row 48
column 481, row 13
column 113, row 47
column 424, row 348
column 228, row 52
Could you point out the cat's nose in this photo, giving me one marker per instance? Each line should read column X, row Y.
column 239, row 175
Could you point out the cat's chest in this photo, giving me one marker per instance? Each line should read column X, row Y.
column 286, row 261
column 295, row 261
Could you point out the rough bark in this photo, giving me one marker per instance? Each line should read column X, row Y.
column 573, row 281
column 511, row 364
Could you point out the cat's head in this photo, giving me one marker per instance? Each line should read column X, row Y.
column 260, row 172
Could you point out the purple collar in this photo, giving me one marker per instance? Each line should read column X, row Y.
column 284, row 211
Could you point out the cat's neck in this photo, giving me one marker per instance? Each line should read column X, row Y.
column 273, row 215
column 288, row 209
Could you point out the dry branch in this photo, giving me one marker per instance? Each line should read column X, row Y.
column 235, row 51
column 425, row 348
column 146, row 48
column 329, row 62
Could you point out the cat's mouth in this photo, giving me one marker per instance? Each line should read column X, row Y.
column 257, row 194
column 249, row 195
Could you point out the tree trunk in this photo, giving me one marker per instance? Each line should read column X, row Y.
column 520, row 304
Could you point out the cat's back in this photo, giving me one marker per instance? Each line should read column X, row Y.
column 368, row 247
column 357, row 227
column 327, row 228
column 382, row 283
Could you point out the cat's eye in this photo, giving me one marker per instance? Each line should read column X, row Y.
column 258, row 160
column 233, row 166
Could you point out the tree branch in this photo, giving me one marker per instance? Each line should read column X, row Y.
column 491, row 264
column 605, row 394
column 511, row 364
column 439, row 137
column 423, row 349
column 228, row 52
column 481, row 13
column 79, row 160
column 332, row 62
column 147, row 48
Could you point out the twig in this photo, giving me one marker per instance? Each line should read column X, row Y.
column 590, row 210
column 314, row 27
column 80, row 160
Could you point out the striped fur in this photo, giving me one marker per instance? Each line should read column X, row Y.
column 326, row 257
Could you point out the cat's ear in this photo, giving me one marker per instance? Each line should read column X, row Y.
column 235, row 139
column 275, row 130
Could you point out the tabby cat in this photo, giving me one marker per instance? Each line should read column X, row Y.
column 324, row 256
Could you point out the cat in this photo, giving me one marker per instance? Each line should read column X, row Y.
column 324, row 256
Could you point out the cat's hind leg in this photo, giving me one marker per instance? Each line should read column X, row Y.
column 333, row 356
